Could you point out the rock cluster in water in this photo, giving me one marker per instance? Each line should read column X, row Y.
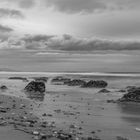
column 80, row 82
column 75, row 82
column 132, row 95
column 95, row 84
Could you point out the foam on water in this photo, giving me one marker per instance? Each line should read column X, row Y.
column 72, row 73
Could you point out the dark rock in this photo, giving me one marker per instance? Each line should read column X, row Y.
column 41, row 79
column 111, row 101
column 3, row 109
column 130, row 87
column 122, row 90
column 64, row 136
column 121, row 138
column 3, row 87
column 35, row 86
column 104, row 91
column 75, row 82
column 95, row 84
column 18, row 78
column 132, row 95
column 93, row 132
column 61, row 79
column 35, row 90
column 90, row 138
column 44, row 115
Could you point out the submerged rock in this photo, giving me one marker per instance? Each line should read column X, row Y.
column 95, row 84
column 18, row 78
column 3, row 87
column 132, row 95
column 75, row 82
column 41, row 79
column 122, row 90
column 61, row 79
column 104, row 91
column 35, row 86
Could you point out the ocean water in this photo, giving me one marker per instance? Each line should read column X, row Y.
column 35, row 61
column 115, row 80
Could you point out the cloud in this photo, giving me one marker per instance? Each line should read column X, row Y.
column 4, row 29
column 78, row 6
column 36, row 38
column 70, row 43
column 89, row 6
column 67, row 43
column 127, row 4
column 36, row 42
column 10, row 13
column 76, row 44
column 74, row 6
column 25, row 4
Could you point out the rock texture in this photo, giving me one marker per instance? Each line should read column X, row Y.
column 132, row 95
column 3, row 87
column 75, row 82
column 61, row 79
column 41, row 79
column 104, row 91
column 18, row 78
column 95, row 84
column 35, row 86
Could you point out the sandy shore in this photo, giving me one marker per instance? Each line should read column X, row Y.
column 83, row 112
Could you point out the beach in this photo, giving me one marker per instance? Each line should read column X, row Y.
column 81, row 111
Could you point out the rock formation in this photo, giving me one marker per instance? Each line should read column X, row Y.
column 95, row 84
column 35, row 86
column 3, row 87
column 132, row 95
column 104, row 91
column 61, row 79
column 75, row 82
column 41, row 79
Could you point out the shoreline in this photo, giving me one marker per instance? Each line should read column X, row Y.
column 82, row 112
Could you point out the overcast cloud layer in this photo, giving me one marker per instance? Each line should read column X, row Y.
column 46, row 24
column 10, row 13
column 65, row 43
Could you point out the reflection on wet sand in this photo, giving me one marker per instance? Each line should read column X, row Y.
column 36, row 96
column 130, row 112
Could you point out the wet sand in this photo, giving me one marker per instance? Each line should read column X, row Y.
column 75, row 109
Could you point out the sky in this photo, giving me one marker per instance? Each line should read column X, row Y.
column 70, row 27
column 76, row 22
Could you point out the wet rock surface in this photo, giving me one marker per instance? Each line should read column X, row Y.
column 79, row 82
column 132, row 95
column 35, row 90
column 35, row 86
column 95, row 84
column 41, row 79
column 104, row 91
column 3, row 87
column 75, row 82
column 18, row 78
column 60, row 80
